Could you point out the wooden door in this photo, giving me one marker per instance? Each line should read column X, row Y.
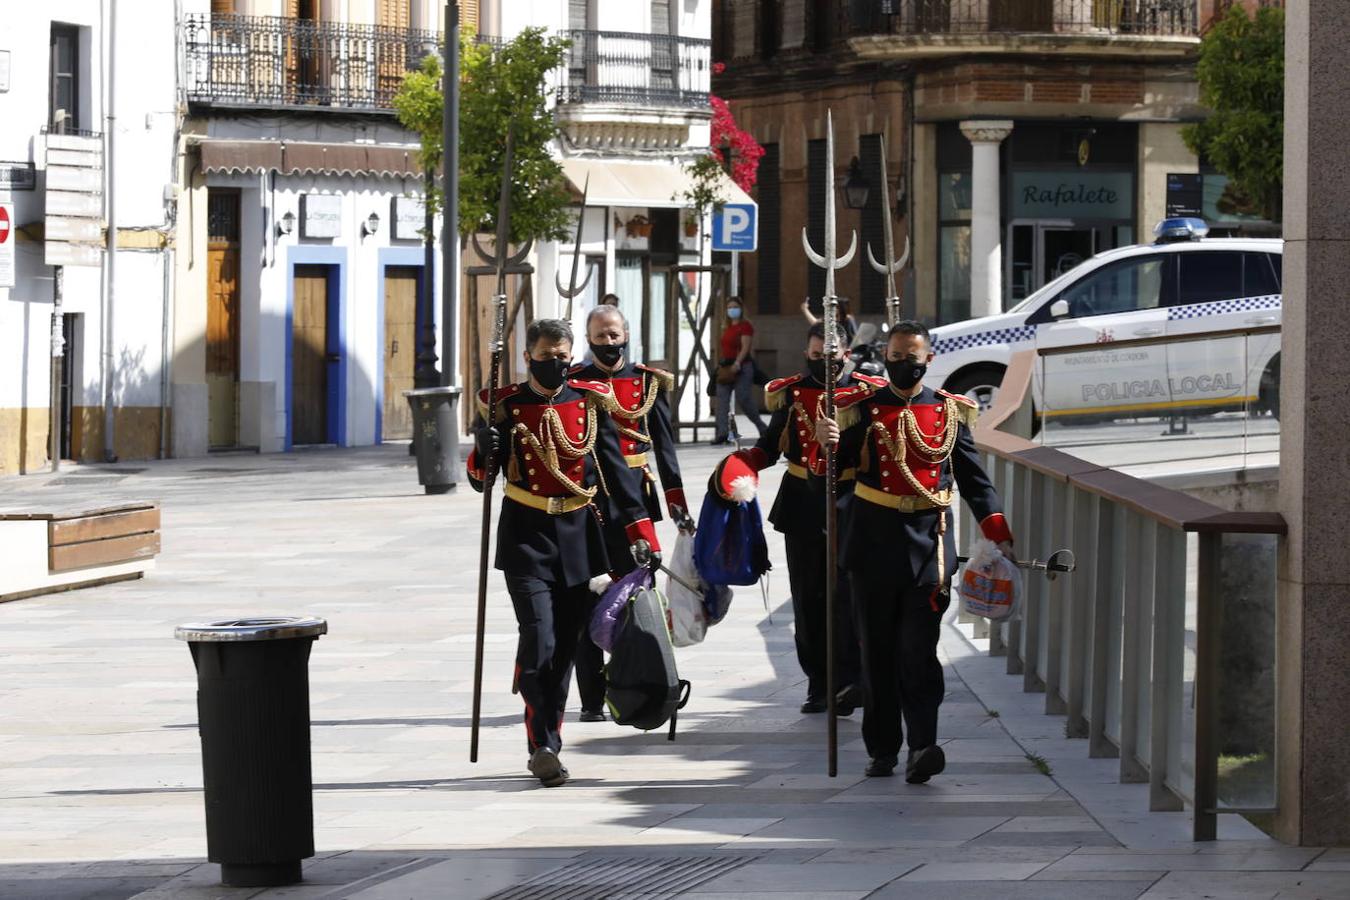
column 400, row 349
column 222, row 318
column 309, row 357
column 1022, row 15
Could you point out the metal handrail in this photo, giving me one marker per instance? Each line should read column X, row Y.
column 280, row 62
column 1114, row 631
column 633, row 68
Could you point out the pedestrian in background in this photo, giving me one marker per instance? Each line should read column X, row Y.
column 736, row 373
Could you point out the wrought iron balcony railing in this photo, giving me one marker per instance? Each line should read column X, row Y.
column 1161, row 18
column 635, row 69
column 274, row 62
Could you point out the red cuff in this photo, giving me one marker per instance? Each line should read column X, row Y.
column 675, row 497
column 476, row 470
column 754, row 457
column 643, row 530
column 995, row 527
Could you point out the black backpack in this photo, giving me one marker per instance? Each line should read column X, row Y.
column 642, row 686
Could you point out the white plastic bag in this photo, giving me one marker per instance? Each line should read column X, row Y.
column 991, row 586
column 688, row 619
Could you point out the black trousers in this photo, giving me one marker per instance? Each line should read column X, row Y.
column 806, row 580
column 550, row 617
column 903, row 677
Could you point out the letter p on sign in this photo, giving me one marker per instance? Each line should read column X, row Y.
column 736, row 227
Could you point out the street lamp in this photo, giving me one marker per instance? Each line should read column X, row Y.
column 856, row 187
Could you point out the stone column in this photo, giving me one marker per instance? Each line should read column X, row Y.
column 1313, row 630
column 986, row 256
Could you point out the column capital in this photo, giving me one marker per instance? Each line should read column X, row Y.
column 986, row 131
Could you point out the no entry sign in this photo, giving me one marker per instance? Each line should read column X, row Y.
column 7, row 245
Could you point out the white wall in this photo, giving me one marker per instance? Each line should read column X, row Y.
column 144, row 139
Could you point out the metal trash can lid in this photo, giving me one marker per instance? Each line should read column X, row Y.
column 434, row 392
column 267, row 628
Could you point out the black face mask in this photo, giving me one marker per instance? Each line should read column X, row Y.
column 817, row 368
column 549, row 372
column 608, row 355
column 904, row 373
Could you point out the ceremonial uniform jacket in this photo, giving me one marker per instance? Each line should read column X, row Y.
column 555, row 453
column 907, row 454
column 641, row 415
column 796, row 402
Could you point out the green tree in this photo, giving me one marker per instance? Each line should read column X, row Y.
column 1241, row 73
column 502, row 87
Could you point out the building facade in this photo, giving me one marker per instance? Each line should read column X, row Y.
column 1020, row 138
column 86, row 88
column 301, row 277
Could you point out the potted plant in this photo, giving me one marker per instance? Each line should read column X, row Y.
column 690, row 226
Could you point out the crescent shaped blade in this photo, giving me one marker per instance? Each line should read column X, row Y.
column 873, row 260
column 562, row 291
column 904, row 257
column 811, row 254
column 852, row 248
column 478, row 248
column 585, row 281
column 520, row 255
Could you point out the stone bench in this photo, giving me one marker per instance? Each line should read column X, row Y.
column 48, row 550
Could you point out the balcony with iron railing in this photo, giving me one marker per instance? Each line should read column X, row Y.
column 273, row 62
column 918, row 27
column 634, row 69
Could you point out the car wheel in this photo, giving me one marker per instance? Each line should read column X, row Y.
column 980, row 384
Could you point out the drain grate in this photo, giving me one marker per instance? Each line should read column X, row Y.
column 612, row 877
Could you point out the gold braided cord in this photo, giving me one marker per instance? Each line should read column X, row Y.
column 909, row 434
column 557, row 443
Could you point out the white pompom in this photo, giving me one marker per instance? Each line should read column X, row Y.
column 743, row 488
column 599, row 584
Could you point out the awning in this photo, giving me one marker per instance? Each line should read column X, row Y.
column 660, row 185
column 254, row 157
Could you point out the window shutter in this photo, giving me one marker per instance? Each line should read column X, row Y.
column 660, row 16
column 468, row 15
column 769, row 190
column 815, row 215
column 577, row 18
column 222, row 7
column 395, row 14
column 872, row 284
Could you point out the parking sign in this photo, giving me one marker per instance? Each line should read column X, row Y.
column 736, row 227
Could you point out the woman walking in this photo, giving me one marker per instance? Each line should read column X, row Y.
column 736, row 372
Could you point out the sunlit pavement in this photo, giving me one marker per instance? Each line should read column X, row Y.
column 100, row 782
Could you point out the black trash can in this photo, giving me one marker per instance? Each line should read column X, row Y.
column 435, row 437
column 253, row 717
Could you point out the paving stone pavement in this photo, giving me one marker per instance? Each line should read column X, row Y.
column 100, row 784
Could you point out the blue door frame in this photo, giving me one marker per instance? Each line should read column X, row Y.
column 335, row 260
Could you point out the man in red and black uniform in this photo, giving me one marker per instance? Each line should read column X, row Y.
column 555, row 441
column 641, row 415
column 796, row 402
column 908, row 445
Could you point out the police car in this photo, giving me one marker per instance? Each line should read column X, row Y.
column 1136, row 306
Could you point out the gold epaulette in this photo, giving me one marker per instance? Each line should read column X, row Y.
column 775, row 392
column 663, row 378
column 968, row 408
column 847, row 416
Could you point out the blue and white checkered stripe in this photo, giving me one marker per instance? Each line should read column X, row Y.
column 1219, row 307
column 981, row 338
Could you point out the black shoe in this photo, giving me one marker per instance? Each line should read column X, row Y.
column 924, row 764
column 545, row 765
column 719, row 442
column 847, row 700
column 881, row 767
column 591, row 715
column 814, row 705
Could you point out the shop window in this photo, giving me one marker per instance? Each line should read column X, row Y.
column 954, row 201
column 769, row 258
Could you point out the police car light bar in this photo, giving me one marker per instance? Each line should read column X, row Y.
column 1181, row 229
